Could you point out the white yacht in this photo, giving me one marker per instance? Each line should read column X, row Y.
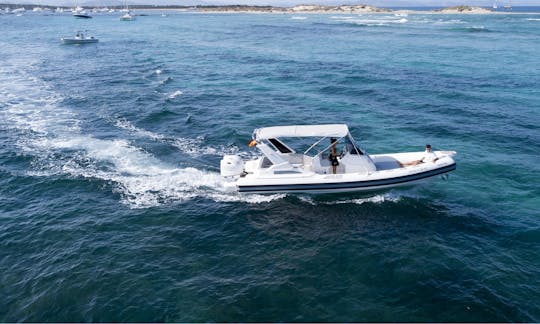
column 127, row 17
column 80, row 12
column 282, row 168
column 80, row 38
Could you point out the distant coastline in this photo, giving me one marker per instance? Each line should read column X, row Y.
column 300, row 9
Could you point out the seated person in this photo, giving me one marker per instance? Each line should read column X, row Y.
column 428, row 157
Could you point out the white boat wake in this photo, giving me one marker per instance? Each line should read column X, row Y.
column 52, row 134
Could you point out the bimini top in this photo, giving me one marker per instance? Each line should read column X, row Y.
column 327, row 130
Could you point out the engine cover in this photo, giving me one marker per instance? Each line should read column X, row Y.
column 231, row 165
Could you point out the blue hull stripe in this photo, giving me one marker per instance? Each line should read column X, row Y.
column 347, row 185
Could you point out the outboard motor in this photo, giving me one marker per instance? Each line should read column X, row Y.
column 231, row 166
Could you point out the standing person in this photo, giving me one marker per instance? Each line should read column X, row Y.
column 333, row 157
column 429, row 156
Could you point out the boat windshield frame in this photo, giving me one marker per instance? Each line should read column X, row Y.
column 351, row 146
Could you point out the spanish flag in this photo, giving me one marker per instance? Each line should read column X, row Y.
column 252, row 143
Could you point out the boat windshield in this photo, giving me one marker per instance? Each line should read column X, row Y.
column 306, row 145
column 352, row 147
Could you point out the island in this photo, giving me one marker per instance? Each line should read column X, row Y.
column 299, row 9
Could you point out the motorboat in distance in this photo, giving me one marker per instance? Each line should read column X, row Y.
column 283, row 169
column 79, row 12
column 82, row 16
column 79, row 38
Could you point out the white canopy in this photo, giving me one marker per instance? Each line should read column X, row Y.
column 327, row 130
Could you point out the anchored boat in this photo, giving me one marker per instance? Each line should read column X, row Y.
column 332, row 162
column 127, row 17
column 79, row 38
column 82, row 15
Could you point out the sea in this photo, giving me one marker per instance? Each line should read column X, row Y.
column 112, row 208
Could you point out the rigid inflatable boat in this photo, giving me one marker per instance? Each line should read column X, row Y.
column 282, row 169
column 80, row 38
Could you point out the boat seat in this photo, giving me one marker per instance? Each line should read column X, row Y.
column 385, row 163
column 293, row 158
column 321, row 165
column 308, row 163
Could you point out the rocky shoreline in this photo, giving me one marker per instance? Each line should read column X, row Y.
column 300, row 9
column 296, row 9
column 346, row 9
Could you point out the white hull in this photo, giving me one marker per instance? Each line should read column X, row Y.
column 388, row 175
column 73, row 41
column 127, row 18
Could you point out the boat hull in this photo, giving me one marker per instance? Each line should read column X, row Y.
column 342, row 185
column 78, row 41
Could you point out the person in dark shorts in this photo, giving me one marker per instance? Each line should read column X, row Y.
column 333, row 157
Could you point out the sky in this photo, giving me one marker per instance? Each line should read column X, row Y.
column 286, row 3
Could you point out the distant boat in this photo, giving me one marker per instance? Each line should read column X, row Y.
column 79, row 39
column 495, row 5
column 81, row 15
column 127, row 16
column 79, row 12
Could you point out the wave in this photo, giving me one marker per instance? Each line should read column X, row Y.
column 166, row 80
column 194, row 147
column 375, row 22
column 51, row 133
column 342, row 17
column 377, row 199
column 175, row 94
column 298, row 17
column 447, row 22
column 472, row 29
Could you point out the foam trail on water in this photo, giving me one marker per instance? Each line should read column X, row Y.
column 194, row 147
column 373, row 21
column 51, row 133
column 175, row 94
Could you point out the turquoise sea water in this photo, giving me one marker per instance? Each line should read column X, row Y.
column 110, row 201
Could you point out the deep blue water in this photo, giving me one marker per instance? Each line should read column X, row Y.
column 110, row 201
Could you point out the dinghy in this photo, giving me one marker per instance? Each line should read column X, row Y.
column 283, row 169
